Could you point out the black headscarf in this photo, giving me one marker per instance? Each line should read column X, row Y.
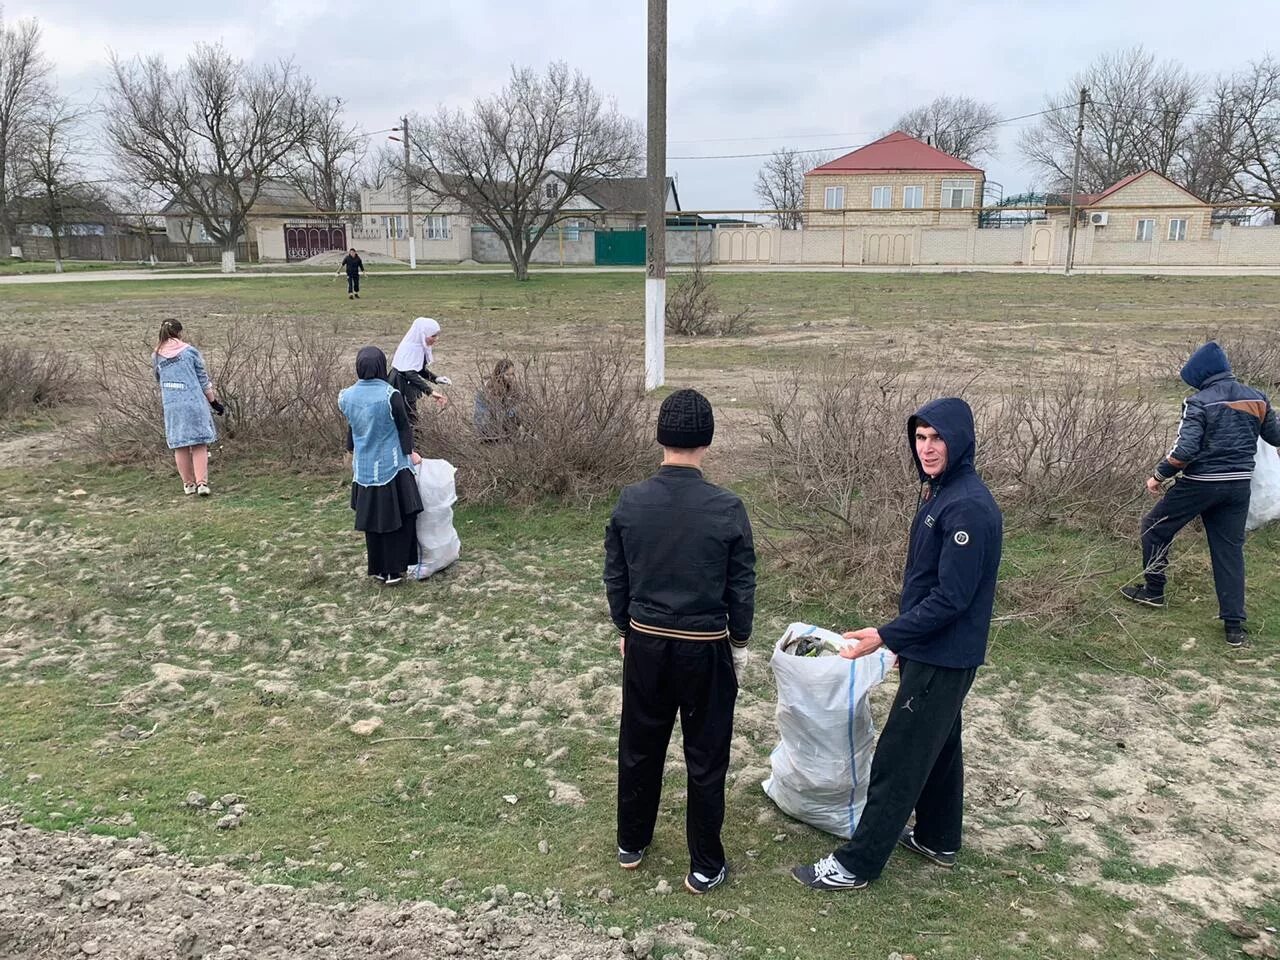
column 371, row 364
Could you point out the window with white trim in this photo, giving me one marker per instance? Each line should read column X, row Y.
column 572, row 230
column 833, row 198
column 957, row 194
column 912, row 198
column 551, row 189
column 393, row 227
column 1177, row 228
column 437, row 226
column 1146, row 230
column 881, row 198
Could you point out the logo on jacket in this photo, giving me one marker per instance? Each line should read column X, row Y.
column 961, row 538
column 928, row 521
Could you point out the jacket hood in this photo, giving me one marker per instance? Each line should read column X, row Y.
column 953, row 419
column 1205, row 364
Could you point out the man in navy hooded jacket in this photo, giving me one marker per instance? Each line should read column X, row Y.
column 940, row 637
column 1215, row 451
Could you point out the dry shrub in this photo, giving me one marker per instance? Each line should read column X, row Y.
column 693, row 309
column 582, row 427
column 1069, row 448
column 1254, row 353
column 279, row 385
column 32, row 381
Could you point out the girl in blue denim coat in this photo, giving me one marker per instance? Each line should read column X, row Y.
column 186, row 394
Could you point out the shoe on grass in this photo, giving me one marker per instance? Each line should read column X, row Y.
column 202, row 489
column 698, row 883
column 943, row 858
column 188, row 488
column 630, row 859
column 827, row 874
column 1144, row 595
column 1237, row 635
column 393, row 580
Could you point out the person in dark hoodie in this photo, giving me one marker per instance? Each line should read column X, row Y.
column 1215, row 451
column 940, row 637
column 679, row 571
column 353, row 266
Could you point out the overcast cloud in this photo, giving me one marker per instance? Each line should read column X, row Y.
column 745, row 76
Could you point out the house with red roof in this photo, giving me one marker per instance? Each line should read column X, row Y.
column 895, row 181
column 1145, row 207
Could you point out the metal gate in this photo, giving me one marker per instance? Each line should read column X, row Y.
column 304, row 240
column 620, row 248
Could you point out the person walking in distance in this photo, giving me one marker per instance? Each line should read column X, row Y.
column 353, row 266
column 1215, row 452
column 679, row 571
column 189, row 400
column 940, row 637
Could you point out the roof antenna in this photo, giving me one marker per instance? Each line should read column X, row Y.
column 928, row 139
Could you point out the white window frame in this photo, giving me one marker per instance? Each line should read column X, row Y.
column 966, row 188
column 828, row 203
column 571, row 230
column 393, row 226
column 201, row 234
column 437, row 227
column 1145, row 234
column 915, row 192
column 1178, row 232
column 882, row 198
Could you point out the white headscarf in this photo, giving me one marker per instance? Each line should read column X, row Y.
column 413, row 353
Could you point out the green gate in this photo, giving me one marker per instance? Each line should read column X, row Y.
column 620, row 248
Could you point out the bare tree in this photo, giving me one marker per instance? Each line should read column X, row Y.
column 780, row 184
column 61, row 193
column 961, row 126
column 517, row 159
column 382, row 167
column 326, row 165
column 1138, row 118
column 211, row 135
column 1209, row 157
column 24, row 87
column 133, row 203
column 1256, row 100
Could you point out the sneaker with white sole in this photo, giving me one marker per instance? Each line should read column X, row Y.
column 943, row 858
column 393, row 580
column 827, row 874
column 698, row 883
column 1144, row 595
column 202, row 489
column 630, row 859
column 189, row 488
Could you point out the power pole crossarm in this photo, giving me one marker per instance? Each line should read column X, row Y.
column 1075, row 182
column 655, row 282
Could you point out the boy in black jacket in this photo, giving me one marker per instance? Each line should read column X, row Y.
column 354, row 266
column 940, row 637
column 679, row 572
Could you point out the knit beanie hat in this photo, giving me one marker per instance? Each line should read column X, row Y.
column 685, row 420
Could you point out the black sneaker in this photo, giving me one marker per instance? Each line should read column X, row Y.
column 697, row 883
column 1237, row 635
column 941, row 857
column 827, row 874
column 628, row 859
column 1141, row 594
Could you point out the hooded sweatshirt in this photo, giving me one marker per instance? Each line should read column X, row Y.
column 949, row 587
column 1221, row 422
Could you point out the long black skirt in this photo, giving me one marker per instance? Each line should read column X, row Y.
column 388, row 516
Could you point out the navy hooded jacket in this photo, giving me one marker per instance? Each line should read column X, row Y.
column 949, row 587
column 1221, row 422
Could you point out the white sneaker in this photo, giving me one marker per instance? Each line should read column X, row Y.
column 202, row 489
column 188, row 488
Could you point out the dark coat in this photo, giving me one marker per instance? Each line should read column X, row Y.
column 679, row 559
column 949, row 587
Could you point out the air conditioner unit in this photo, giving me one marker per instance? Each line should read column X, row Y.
column 1098, row 219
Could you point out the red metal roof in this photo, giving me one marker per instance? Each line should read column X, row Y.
column 897, row 151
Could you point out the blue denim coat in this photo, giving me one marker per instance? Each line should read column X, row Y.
column 188, row 420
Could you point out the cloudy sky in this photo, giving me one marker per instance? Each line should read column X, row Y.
column 745, row 76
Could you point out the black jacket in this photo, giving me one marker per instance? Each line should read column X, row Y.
column 352, row 265
column 1221, row 422
column 949, row 587
column 679, row 559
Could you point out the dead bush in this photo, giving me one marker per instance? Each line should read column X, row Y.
column 693, row 309
column 279, row 385
column 575, row 425
column 31, row 381
column 1254, row 354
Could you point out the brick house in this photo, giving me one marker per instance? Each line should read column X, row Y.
column 1145, row 207
column 913, row 183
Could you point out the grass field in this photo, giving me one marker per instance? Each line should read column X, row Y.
column 1121, row 797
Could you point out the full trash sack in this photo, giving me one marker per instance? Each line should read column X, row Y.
column 1264, row 492
column 822, row 762
column 438, row 543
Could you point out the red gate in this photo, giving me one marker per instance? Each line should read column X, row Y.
column 304, row 240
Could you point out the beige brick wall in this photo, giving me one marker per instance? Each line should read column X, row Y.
column 857, row 195
column 1153, row 192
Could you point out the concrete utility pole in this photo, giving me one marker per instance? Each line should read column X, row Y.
column 655, row 280
column 1075, row 182
column 408, row 189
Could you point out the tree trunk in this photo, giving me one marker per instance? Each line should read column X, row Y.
column 57, row 251
column 229, row 260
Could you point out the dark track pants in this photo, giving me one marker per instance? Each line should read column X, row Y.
column 661, row 678
column 918, row 765
column 353, row 283
column 1223, row 506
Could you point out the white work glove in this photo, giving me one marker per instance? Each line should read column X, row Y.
column 445, row 380
column 741, row 656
